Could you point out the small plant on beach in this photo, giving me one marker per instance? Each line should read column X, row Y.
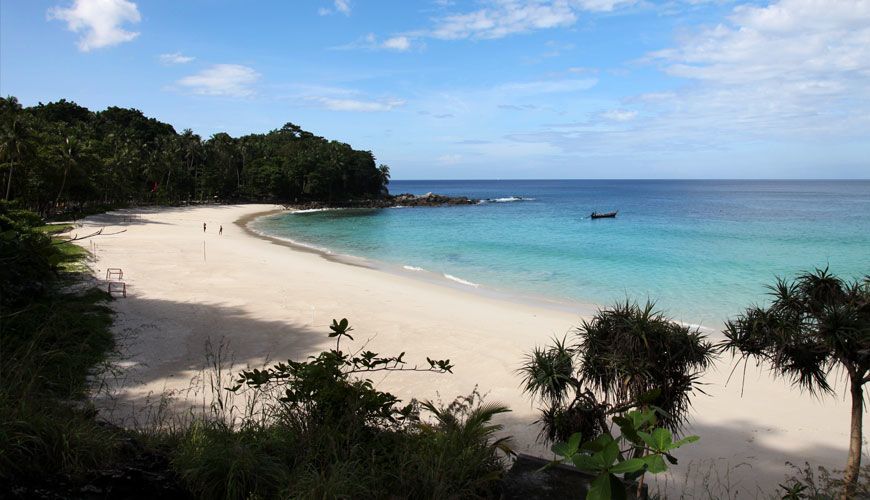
column 330, row 434
column 816, row 325
column 626, row 358
column 819, row 483
column 323, row 388
column 605, row 456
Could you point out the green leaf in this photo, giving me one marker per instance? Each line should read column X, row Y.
column 586, row 463
column 610, row 453
column 685, row 440
column 574, row 442
column 655, row 464
column 600, row 488
column 662, row 439
column 646, row 439
column 597, row 444
column 562, row 449
column 568, row 449
column 630, row 465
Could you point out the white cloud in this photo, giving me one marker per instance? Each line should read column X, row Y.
column 618, row 115
column 547, row 86
column 343, row 6
column 450, row 159
column 338, row 98
column 175, row 58
column 358, row 105
column 500, row 18
column 222, row 79
column 99, row 21
column 602, row 5
column 400, row 43
column 339, row 6
column 370, row 42
column 792, row 72
column 793, row 66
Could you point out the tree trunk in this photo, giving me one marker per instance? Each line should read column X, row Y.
column 9, row 180
column 62, row 185
column 853, row 465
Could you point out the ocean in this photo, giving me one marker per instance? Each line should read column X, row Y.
column 702, row 250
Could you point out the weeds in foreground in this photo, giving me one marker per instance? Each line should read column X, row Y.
column 819, row 483
column 50, row 340
column 316, row 429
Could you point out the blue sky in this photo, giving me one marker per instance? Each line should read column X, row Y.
column 481, row 88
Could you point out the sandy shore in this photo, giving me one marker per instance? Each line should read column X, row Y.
column 271, row 302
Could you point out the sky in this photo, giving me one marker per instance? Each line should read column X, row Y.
column 480, row 89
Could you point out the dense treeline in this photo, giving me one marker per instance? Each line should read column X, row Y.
column 61, row 156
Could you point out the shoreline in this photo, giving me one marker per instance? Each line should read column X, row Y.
column 585, row 309
column 269, row 303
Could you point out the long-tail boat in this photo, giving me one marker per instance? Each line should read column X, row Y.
column 608, row 215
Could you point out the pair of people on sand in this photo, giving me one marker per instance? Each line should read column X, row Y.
column 220, row 228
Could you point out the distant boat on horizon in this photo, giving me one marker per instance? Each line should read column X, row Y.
column 608, row 215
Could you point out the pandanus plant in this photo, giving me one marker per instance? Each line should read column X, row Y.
column 816, row 327
column 626, row 356
column 630, row 366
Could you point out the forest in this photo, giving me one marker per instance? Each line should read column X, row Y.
column 61, row 157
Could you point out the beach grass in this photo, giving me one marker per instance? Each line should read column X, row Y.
column 51, row 344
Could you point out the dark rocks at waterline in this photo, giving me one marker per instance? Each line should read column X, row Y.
column 431, row 200
column 399, row 200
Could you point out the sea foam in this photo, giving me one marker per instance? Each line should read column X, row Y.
column 460, row 280
column 508, row 199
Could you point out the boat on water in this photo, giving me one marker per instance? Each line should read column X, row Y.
column 608, row 215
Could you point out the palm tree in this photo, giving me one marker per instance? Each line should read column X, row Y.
column 626, row 356
column 816, row 325
column 70, row 154
column 13, row 138
column 383, row 178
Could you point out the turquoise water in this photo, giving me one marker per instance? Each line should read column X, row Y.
column 702, row 249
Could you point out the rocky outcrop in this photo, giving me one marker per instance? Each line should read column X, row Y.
column 403, row 200
column 431, row 200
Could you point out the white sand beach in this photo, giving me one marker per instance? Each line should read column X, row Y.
column 273, row 302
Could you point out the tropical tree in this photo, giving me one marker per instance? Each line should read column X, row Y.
column 75, row 157
column 14, row 137
column 816, row 327
column 626, row 357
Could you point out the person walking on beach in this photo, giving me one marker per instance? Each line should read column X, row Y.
column 203, row 227
column 221, row 230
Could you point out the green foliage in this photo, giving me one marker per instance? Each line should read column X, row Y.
column 626, row 356
column 27, row 257
column 215, row 461
column 603, row 457
column 322, row 389
column 807, row 483
column 50, row 340
column 815, row 325
column 331, row 434
column 61, row 157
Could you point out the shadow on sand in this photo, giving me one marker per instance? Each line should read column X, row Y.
column 163, row 365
